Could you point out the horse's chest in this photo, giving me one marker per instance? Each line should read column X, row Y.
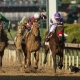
column 34, row 46
column 2, row 45
column 18, row 42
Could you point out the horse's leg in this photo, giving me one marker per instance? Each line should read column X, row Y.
column 46, row 49
column 45, row 59
column 21, row 58
column 60, row 64
column 25, row 60
column 28, row 62
column 54, row 62
column 35, row 55
column 29, row 58
column 18, row 55
column 1, row 56
column 25, row 55
column 0, row 62
column 36, row 60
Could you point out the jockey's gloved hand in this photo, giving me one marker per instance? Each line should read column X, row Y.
column 60, row 23
column 47, row 38
column 8, row 30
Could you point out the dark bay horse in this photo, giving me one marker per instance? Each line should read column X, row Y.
column 56, row 45
column 33, row 44
column 3, row 44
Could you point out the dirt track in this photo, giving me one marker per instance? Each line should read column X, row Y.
column 13, row 70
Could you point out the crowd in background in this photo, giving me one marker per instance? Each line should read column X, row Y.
column 22, row 2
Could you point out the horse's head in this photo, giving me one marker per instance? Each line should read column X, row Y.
column 20, row 29
column 35, row 28
column 60, row 32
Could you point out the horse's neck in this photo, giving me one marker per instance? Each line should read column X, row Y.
column 31, row 37
column 18, row 36
column 54, row 38
column 0, row 30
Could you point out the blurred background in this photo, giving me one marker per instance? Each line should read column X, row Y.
column 14, row 10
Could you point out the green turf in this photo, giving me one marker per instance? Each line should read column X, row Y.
column 12, row 32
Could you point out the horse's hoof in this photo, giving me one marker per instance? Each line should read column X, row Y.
column 44, row 62
column 28, row 70
column 35, row 67
column 25, row 66
column 21, row 69
column 60, row 68
column 2, row 71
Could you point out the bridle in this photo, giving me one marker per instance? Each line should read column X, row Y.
column 55, row 33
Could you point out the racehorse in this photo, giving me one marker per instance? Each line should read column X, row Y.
column 3, row 44
column 56, row 45
column 20, row 46
column 33, row 44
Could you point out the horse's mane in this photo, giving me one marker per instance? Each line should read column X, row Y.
column 36, row 25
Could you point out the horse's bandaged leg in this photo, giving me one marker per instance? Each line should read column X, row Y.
column 46, row 43
column 50, row 52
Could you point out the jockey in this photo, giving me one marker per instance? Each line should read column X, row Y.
column 2, row 18
column 35, row 18
column 27, row 25
column 57, row 19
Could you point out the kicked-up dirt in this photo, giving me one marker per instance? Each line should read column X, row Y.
column 15, row 70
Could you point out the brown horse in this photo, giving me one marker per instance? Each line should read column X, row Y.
column 33, row 44
column 56, row 45
column 3, row 44
column 20, row 46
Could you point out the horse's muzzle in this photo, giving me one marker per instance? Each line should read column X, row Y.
column 60, row 38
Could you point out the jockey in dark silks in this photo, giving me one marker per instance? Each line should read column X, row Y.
column 3, row 39
column 2, row 18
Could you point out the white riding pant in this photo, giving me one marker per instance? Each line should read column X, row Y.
column 52, row 29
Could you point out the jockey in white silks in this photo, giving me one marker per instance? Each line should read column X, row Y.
column 57, row 19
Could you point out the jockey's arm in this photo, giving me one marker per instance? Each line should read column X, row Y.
column 6, row 20
column 52, row 28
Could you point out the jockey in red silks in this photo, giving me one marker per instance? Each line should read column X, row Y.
column 57, row 19
column 31, row 20
column 35, row 18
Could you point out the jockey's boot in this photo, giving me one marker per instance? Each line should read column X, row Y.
column 47, row 38
column 1, row 71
